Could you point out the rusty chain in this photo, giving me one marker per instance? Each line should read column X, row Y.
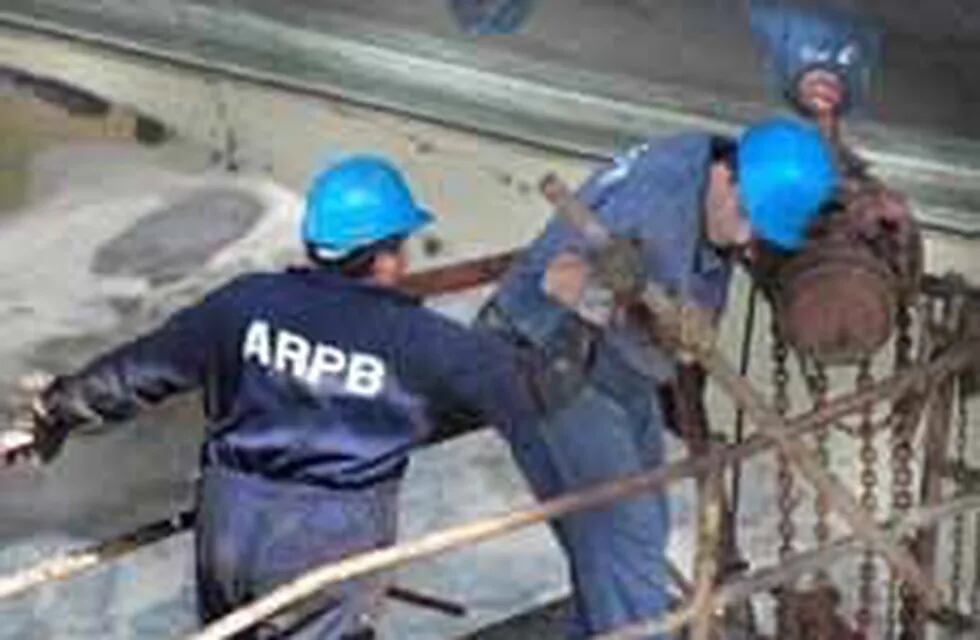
column 784, row 477
column 869, row 481
column 820, row 385
column 902, row 451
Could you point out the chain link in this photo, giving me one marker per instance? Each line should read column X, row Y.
column 784, row 479
column 784, row 474
column 902, row 451
column 869, row 481
column 821, row 529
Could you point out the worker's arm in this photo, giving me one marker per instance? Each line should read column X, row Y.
column 115, row 386
column 590, row 280
column 476, row 379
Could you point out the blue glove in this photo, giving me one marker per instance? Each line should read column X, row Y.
column 485, row 17
column 797, row 40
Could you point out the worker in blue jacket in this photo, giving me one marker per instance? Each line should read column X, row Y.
column 318, row 382
column 682, row 210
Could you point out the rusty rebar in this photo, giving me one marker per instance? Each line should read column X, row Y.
column 472, row 533
column 792, row 567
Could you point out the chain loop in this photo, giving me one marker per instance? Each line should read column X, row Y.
column 784, row 480
column 784, row 474
column 821, row 529
column 869, row 479
column 903, row 429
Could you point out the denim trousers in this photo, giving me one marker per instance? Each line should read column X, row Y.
column 616, row 552
column 253, row 534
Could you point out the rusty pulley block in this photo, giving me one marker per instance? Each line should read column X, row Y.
column 816, row 614
column 836, row 300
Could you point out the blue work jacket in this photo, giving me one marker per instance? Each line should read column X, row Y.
column 312, row 377
column 655, row 194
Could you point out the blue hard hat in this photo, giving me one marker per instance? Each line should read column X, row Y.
column 786, row 173
column 356, row 203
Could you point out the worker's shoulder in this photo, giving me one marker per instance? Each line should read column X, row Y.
column 671, row 148
column 429, row 329
column 659, row 157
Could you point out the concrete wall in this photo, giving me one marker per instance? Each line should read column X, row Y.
column 81, row 201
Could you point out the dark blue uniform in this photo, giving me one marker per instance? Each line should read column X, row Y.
column 316, row 387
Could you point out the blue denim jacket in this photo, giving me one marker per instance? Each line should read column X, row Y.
column 653, row 193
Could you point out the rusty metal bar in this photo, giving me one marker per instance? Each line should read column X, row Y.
column 827, row 484
column 795, row 566
column 696, row 338
column 70, row 564
column 459, row 276
column 471, row 533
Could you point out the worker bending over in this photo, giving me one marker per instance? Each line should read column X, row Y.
column 682, row 209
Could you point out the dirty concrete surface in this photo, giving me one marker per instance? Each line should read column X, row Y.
column 100, row 240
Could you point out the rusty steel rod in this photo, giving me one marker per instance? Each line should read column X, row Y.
column 471, row 533
column 72, row 563
column 697, row 339
column 793, row 567
column 459, row 276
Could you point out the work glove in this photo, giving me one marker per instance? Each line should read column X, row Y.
column 618, row 265
column 48, row 413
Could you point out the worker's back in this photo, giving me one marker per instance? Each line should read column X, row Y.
column 332, row 380
column 312, row 377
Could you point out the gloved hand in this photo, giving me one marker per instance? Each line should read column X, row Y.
column 48, row 413
column 618, row 265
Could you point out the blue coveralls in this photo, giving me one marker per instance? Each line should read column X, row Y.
column 613, row 425
column 317, row 387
